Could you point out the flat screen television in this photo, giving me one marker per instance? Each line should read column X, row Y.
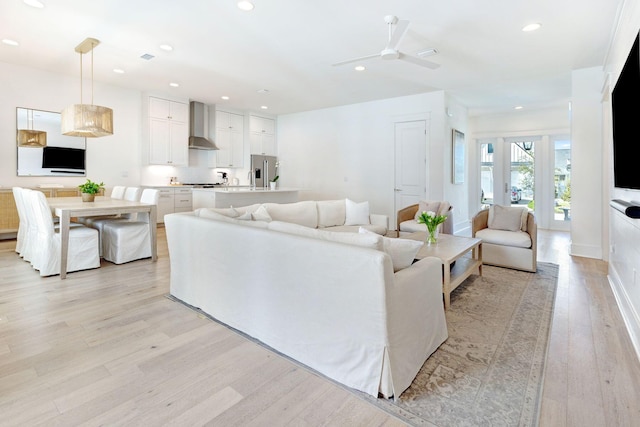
column 63, row 158
column 626, row 122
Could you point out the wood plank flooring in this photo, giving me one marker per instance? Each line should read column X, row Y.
column 106, row 347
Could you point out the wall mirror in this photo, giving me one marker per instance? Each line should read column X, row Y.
column 42, row 148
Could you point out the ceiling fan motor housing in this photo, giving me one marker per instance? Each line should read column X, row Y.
column 389, row 54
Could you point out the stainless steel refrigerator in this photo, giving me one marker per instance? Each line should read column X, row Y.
column 264, row 169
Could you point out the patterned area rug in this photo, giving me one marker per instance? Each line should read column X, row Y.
column 490, row 370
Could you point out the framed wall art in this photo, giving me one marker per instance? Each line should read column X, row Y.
column 457, row 169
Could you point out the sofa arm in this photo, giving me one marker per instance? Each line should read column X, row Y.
column 479, row 222
column 379, row 219
column 405, row 214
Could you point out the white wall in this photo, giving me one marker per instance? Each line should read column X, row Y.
column 348, row 151
column 109, row 158
column 624, row 257
column 587, row 202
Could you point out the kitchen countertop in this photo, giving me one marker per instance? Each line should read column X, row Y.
column 242, row 189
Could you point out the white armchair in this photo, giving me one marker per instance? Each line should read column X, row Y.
column 509, row 237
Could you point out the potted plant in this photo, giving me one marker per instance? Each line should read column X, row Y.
column 89, row 190
column 273, row 182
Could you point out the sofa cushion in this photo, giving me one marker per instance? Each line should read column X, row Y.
column 331, row 213
column 509, row 218
column 518, row 239
column 211, row 213
column 401, row 251
column 427, row 206
column 412, row 226
column 378, row 229
column 356, row 213
column 302, row 213
column 372, row 241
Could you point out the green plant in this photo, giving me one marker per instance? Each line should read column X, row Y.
column 90, row 187
column 275, row 178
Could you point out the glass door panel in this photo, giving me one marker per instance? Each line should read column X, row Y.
column 522, row 170
column 562, row 182
column 486, row 174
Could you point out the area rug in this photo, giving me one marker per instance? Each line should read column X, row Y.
column 489, row 372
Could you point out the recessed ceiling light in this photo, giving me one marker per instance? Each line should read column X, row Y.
column 34, row 3
column 172, row 84
column 118, row 70
column 225, row 97
column 166, row 47
column 518, row 107
column 264, row 107
column 359, row 68
column 531, row 27
column 10, row 42
column 263, row 91
column 245, row 5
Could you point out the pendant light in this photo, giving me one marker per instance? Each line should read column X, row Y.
column 30, row 137
column 88, row 120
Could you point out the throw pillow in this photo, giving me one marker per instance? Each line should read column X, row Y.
column 302, row 213
column 506, row 217
column 427, row 206
column 261, row 214
column 401, row 251
column 356, row 213
column 331, row 213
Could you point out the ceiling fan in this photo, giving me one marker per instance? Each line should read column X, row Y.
column 391, row 50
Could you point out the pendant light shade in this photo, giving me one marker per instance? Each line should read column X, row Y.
column 88, row 120
column 91, row 121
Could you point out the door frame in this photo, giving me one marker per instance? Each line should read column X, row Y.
column 404, row 118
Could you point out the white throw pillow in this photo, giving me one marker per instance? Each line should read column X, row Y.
column 508, row 218
column 331, row 213
column 427, row 206
column 244, row 217
column 209, row 213
column 401, row 251
column 302, row 213
column 356, row 213
column 261, row 214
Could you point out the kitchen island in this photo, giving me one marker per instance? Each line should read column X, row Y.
column 224, row 197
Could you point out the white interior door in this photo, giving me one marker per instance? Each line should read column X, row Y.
column 410, row 163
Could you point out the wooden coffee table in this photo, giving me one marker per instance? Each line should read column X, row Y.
column 449, row 249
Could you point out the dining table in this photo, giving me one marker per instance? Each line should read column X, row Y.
column 66, row 208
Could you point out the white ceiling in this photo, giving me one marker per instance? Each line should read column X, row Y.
column 288, row 47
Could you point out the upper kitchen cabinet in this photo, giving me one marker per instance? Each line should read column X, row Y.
column 229, row 131
column 168, row 132
column 262, row 135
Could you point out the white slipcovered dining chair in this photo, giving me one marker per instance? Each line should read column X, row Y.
column 21, row 237
column 83, row 241
column 125, row 241
column 132, row 194
column 116, row 193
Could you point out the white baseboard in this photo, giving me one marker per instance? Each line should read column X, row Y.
column 629, row 314
column 586, row 251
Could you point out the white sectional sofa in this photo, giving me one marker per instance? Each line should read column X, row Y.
column 332, row 215
column 335, row 302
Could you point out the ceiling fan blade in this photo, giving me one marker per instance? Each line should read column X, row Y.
column 362, row 58
column 418, row 61
column 401, row 29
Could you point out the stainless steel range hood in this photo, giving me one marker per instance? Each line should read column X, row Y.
column 197, row 118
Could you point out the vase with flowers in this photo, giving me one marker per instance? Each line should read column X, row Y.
column 432, row 221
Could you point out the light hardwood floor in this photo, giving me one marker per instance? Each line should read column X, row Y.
column 106, row 347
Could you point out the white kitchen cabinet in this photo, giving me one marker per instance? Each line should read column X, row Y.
column 172, row 200
column 262, row 135
column 168, row 132
column 229, row 139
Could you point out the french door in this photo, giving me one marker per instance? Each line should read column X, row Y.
column 531, row 171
